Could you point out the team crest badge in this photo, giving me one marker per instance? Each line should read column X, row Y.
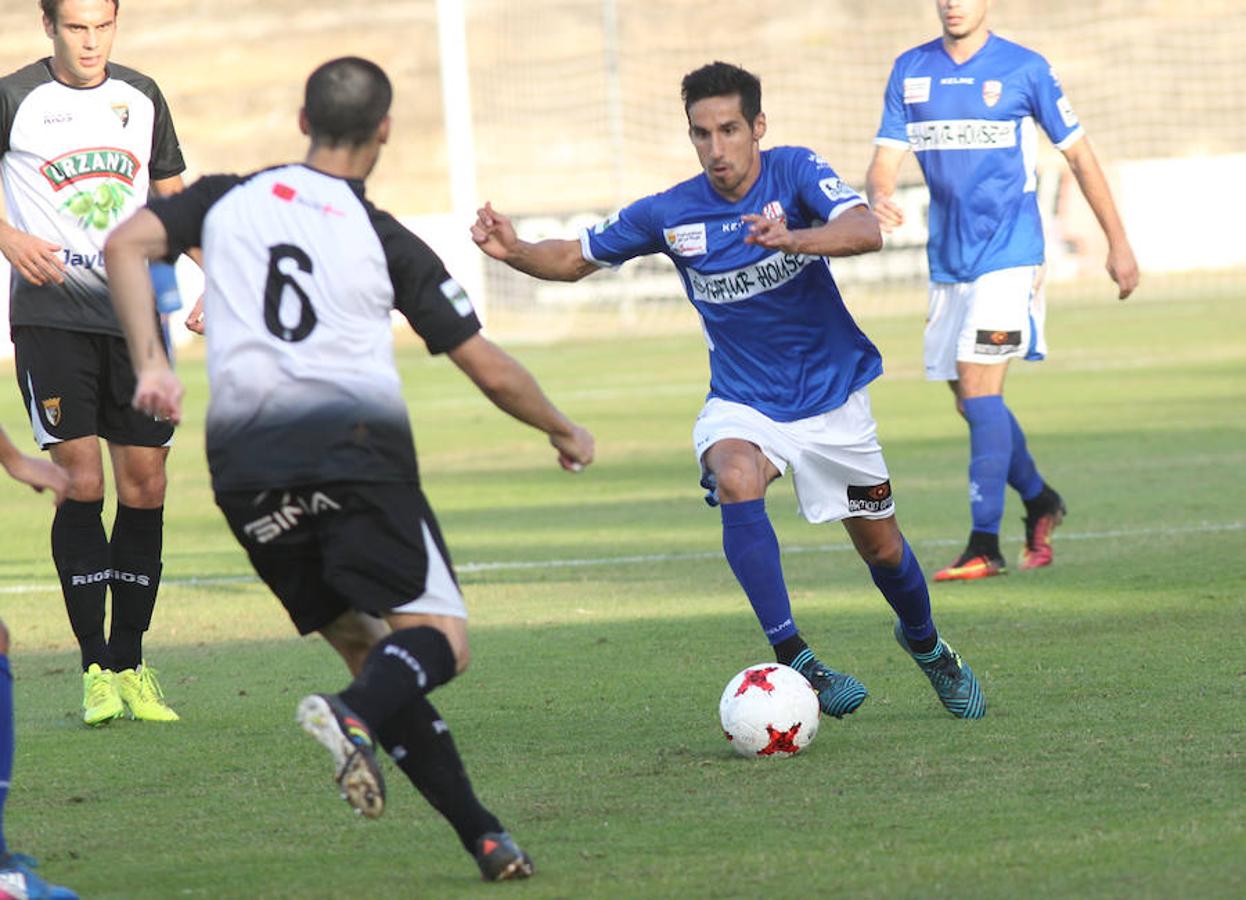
column 774, row 211
column 52, row 411
column 991, row 91
column 122, row 111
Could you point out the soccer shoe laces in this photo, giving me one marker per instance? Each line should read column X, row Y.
column 148, row 687
column 98, row 690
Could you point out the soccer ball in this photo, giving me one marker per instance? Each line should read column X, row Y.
column 769, row 710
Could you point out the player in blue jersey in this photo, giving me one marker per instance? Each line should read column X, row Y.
column 968, row 105
column 751, row 237
column 16, row 876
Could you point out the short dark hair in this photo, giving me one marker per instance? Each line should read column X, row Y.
column 720, row 79
column 346, row 100
column 52, row 7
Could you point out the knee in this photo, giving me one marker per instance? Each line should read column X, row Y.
column 148, row 491
column 462, row 659
column 883, row 550
column 739, row 479
column 86, row 485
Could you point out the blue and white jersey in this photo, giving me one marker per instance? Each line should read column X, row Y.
column 972, row 126
column 781, row 340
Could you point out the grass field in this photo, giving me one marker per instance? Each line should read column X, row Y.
column 605, row 624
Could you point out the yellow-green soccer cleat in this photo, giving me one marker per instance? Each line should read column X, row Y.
column 101, row 703
column 142, row 694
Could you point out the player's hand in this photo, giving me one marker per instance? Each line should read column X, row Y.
column 575, row 448
column 889, row 214
column 194, row 319
column 769, row 233
column 41, row 474
column 159, row 394
column 494, row 233
column 1123, row 269
column 36, row 260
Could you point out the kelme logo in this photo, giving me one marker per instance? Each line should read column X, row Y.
column 97, row 162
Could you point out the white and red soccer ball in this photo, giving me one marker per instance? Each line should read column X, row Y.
column 769, row 710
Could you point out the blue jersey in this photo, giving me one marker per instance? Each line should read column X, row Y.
column 781, row 340
column 972, row 126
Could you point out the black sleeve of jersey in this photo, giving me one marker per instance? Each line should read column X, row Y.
column 13, row 90
column 166, row 151
column 424, row 292
column 182, row 214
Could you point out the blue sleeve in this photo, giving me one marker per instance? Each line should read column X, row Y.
column 893, row 128
column 625, row 235
column 822, row 193
column 1052, row 109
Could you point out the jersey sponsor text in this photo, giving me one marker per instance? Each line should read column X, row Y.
column 749, row 281
column 961, row 134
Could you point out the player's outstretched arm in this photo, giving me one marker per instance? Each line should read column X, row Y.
column 127, row 254
column 552, row 260
column 40, row 474
column 36, row 260
column 880, row 186
column 1121, row 265
column 848, row 234
column 512, row 389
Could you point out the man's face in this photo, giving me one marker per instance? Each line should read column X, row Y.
column 727, row 145
column 962, row 18
column 82, row 40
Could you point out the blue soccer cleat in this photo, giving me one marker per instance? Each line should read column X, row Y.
column 950, row 676
column 838, row 694
column 19, row 882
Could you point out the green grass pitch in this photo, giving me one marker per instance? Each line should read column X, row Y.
column 605, row 623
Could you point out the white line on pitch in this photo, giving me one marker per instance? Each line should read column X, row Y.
column 519, row 565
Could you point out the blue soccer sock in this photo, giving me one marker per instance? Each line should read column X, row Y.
column 6, row 740
column 1023, row 474
column 990, row 451
column 752, row 551
column 905, row 589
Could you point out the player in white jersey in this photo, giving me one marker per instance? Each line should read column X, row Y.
column 82, row 143
column 969, row 104
column 309, row 444
column 752, row 238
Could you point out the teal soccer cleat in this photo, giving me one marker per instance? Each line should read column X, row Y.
column 838, row 694
column 950, row 676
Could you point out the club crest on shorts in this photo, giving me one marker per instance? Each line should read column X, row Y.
column 997, row 343
column 870, row 498
column 991, row 91
column 52, row 410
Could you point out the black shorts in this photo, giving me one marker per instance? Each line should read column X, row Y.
column 76, row 384
column 328, row 548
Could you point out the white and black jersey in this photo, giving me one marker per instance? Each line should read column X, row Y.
column 76, row 162
column 302, row 273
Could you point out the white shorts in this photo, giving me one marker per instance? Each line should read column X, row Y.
column 837, row 464
column 993, row 319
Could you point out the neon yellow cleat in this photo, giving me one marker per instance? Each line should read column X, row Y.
column 101, row 703
column 142, row 694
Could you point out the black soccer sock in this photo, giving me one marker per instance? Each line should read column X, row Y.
column 984, row 543
column 137, row 542
column 419, row 741
column 403, row 665
column 80, row 552
column 786, row 650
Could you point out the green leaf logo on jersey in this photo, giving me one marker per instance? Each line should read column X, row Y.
column 96, row 162
column 98, row 208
